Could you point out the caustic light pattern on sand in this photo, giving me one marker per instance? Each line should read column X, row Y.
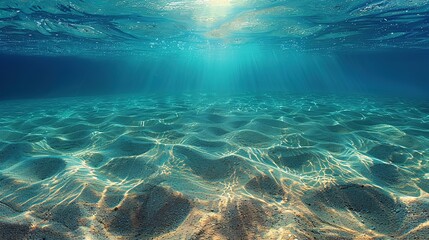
column 192, row 167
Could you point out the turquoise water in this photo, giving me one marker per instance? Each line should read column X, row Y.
column 214, row 119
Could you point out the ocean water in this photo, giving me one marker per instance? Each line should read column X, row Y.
column 214, row 119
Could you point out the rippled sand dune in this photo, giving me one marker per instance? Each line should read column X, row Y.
column 214, row 167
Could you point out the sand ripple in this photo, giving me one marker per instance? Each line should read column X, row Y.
column 222, row 167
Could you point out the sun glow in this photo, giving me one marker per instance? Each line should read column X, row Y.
column 213, row 11
column 215, row 3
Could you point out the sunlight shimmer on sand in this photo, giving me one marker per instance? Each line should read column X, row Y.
column 202, row 166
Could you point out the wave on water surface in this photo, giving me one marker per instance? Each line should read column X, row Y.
column 66, row 27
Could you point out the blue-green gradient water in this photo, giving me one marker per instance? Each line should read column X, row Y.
column 214, row 119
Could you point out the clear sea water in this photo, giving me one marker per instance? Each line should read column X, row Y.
column 214, row 119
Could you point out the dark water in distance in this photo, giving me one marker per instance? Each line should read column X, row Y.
column 391, row 73
column 56, row 48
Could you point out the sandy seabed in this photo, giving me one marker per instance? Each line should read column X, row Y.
column 265, row 166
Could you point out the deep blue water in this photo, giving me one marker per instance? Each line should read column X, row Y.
column 56, row 48
column 394, row 73
column 214, row 119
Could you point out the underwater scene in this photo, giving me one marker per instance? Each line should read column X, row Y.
column 214, row 119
